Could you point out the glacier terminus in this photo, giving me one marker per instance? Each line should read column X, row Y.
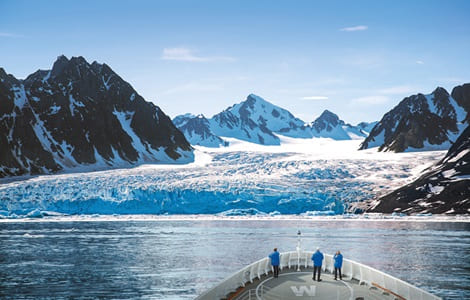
column 301, row 176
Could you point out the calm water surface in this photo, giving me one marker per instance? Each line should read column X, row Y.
column 171, row 259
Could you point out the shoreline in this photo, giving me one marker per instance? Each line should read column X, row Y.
column 165, row 218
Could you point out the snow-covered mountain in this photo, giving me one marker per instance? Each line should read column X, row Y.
column 79, row 114
column 258, row 121
column 367, row 126
column 197, row 130
column 253, row 120
column 423, row 122
column 327, row 125
column 443, row 188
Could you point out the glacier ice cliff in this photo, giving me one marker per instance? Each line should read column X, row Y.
column 272, row 180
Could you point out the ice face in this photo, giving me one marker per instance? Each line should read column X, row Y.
column 301, row 176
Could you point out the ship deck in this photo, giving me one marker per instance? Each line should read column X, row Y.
column 360, row 282
column 299, row 285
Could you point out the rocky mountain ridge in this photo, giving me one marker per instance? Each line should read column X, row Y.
column 423, row 122
column 327, row 125
column 259, row 121
column 81, row 114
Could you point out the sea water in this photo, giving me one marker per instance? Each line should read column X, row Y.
column 181, row 258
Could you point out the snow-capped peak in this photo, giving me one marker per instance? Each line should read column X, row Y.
column 265, row 113
column 326, row 121
column 254, row 120
column 80, row 114
column 422, row 122
column 329, row 125
column 197, row 130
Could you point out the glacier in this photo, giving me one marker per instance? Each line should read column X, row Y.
column 301, row 176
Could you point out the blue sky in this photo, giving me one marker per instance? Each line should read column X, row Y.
column 355, row 58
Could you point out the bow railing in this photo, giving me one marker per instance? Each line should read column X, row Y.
column 302, row 260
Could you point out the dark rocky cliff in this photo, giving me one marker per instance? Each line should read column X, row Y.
column 423, row 122
column 81, row 114
column 443, row 188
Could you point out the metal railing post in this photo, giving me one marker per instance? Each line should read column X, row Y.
column 299, row 241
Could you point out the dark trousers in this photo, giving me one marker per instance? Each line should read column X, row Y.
column 338, row 270
column 315, row 270
column 276, row 271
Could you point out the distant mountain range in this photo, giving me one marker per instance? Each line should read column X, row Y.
column 418, row 123
column 329, row 125
column 443, row 188
column 259, row 121
column 423, row 122
column 81, row 114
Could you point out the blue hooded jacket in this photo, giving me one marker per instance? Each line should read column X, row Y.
column 338, row 260
column 317, row 258
column 274, row 258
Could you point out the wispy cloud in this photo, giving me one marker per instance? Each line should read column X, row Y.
column 420, row 62
column 10, row 35
column 355, row 28
column 315, row 98
column 371, row 100
column 186, row 54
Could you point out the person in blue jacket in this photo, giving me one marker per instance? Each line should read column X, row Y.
column 338, row 264
column 275, row 258
column 317, row 258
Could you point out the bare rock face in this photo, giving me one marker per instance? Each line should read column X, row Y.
column 461, row 94
column 423, row 122
column 81, row 114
